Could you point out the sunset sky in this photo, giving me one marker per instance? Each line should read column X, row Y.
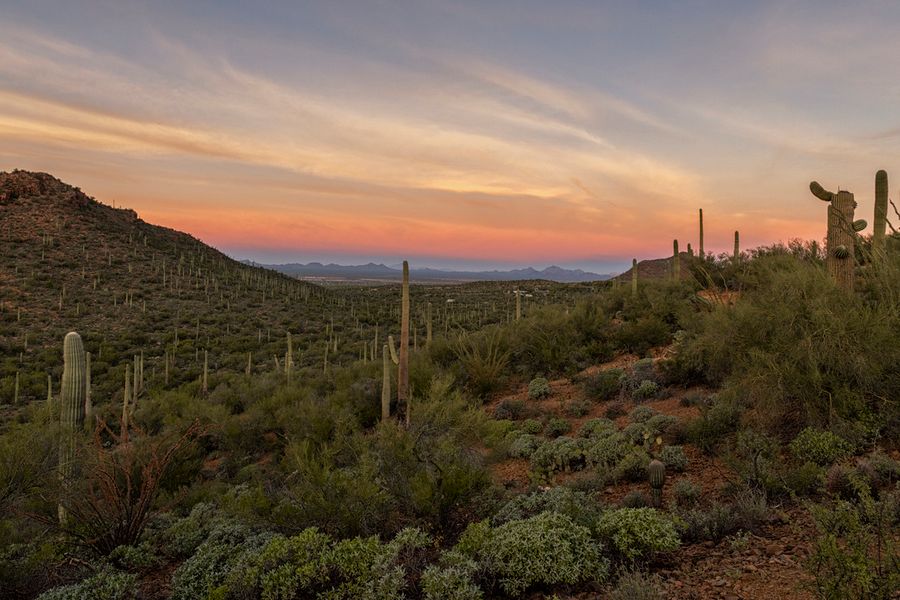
column 452, row 133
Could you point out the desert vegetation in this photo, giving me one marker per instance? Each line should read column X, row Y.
column 179, row 425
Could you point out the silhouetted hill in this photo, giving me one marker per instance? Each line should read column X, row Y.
column 372, row 271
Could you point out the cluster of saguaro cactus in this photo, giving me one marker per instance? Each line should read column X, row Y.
column 72, row 397
column 840, row 244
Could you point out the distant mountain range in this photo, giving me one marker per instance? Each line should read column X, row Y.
column 372, row 271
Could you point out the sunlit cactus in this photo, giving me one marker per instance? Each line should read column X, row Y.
column 72, row 402
column 841, row 238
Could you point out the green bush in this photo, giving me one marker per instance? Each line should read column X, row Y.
column 604, row 385
column 538, row 388
column 674, row 458
column 547, row 549
column 606, row 452
column 577, row 408
column 641, row 414
column 635, row 585
column 560, row 454
column 453, row 582
column 556, row 427
column 645, row 391
column 105, row 585
column 686, row 492
column 532, row 426
column 578, row 506
column 819, row 447
column 523, row 446
column 638, row 532
column 597, row 428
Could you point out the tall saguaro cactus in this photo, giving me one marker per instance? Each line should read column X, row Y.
column 737, row 247
column 385, row 384
column 634, row 277
column 428, row 326
column 881, row 202
column 840, row 244
column 403, row 367
column 518, row 304
column 676, row 261
column 700, row 249
column 71, row 399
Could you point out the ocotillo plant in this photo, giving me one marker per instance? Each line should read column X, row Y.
column 840, row 243
column 403, row 367
column 657, row 472
column 385, row 385
column 676, row 261
column 881, row 202
column 71, row 399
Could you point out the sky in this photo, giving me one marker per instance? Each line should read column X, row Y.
column 457, row 134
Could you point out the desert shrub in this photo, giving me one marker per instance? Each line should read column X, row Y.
column 640, row 335
column 712, row 523
column 632, row 466
column 532, row 426
column 311, row 563
column 686, row 492
column 182, row 537
column 556, row 427
column 614, row 410
column 843, row 562
column 673, row 457
column 635, row 585
column 805, row 479
column 560, row 454
column 819, row 446
column 453, row 582
column 548, row 549
column 577, row 408
column 606, row 452
column 634, row 499
column 650, row 429
column 645, row 391
column 135, row 558
column 483, row 358
column 107, row 584
column 538, row 388
column 604, row 385
column 524, row 445
column 510, row 409
column 715, row 421
column 578, row 506
column 596, row 428
column 885, row 468
column 638, row 532
column 227, row 547
column 641, row 414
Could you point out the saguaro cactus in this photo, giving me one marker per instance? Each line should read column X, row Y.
column 385, row 384
column 518, row 304
column 428, row 326
column 881, row 203
column 840, row 243
column 657, row 472
column 403, row 367
column 676, row 261
column 71, row 400
column 737, row 246
column 289, row 356
column 634, row 276
column 701, row 254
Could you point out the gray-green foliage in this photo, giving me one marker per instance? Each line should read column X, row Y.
column 451, row 580
column 638, row 532
column 549, row 549
column 578, row 506
column 673, row 457
column 523, row 445
column 635, row 585
column 538, row 388
column 106, row 584
column 819, row 446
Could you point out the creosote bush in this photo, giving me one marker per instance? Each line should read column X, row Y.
column 538, row 388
